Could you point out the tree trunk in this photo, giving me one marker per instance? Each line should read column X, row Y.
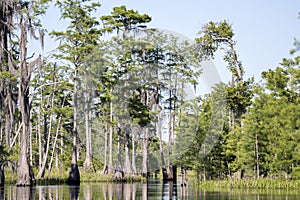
column 25, row 177
column 105, row 170
column 119, row 166
column 172, row 173
column 161, row 148
column 59, row 124
column 6, row 100
column 43, row 167
column 47, row 140
column 145, row 153
column 88, row 155
column 39, row 137
column 110, row 164
column 133, row 153
column 8, row 117
column 127, row 165
column 171, row 143
column 183, row 182
column 74, row 175
column 30, row 141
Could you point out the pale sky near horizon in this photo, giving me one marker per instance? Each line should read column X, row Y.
column 264, row 29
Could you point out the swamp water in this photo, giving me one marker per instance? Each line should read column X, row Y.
column 152, row 190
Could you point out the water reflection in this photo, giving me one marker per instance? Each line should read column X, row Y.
column 1, row 192
column 74, row 193
column 25, row 193
column 152, row 190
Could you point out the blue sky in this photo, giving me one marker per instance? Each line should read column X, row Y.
column 264, row 29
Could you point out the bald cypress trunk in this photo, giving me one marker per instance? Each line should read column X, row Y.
column 145, row 153
column 127, row 164
column 25, row 175
column 74, row 175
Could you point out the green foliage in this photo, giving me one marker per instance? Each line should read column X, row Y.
column 138, row 111
column 296, row 173
column 212, row 36
column 3, row 154
column 253, row 184
column 123, row 19
column 254, row 134
column 239, row 97
column 82, row 34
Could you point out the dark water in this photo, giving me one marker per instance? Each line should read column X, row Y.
column 152, row 190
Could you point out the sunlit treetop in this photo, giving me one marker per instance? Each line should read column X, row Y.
column 124, row 19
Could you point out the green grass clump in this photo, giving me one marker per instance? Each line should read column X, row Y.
column 95, row 177
column 253, row 184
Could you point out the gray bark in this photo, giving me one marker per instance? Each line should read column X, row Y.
column 161, row 148
column 74, row 175
column 133, row 153
column 110, row 163
column 24, row 177
column 145, row 153
column 127, row 165
column 88, row 155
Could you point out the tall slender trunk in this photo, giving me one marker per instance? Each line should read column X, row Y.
column 8, row 115
column 74, row 175
column 161, row 147
column 59, row 124
column 105, row 170
column 133, row 153
column 119, row 166
column 5, row 90
column 87, row 115
column 30, row 140
column 39, row 136
column 25, row 175
column 170, row 145
column 110, row 163
column 54, row 148
column 88, row 155
column 145, row 153
column 42, row 169
column 127, row 165
column 119, row 174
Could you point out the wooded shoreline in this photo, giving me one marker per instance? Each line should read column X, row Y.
column 127, row 104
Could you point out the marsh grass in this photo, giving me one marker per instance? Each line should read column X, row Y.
column 252, row 184
column 59, row 177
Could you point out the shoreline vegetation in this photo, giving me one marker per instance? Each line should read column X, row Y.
column 118, row 97
column 60, row 177
column 264, row 183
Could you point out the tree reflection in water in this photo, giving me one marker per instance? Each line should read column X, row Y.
column 1, row 192
column 74, row 192
column 105, row 191
column 26, row 193
column 135, row 191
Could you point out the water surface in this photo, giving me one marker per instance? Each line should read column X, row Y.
column 152, row 190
